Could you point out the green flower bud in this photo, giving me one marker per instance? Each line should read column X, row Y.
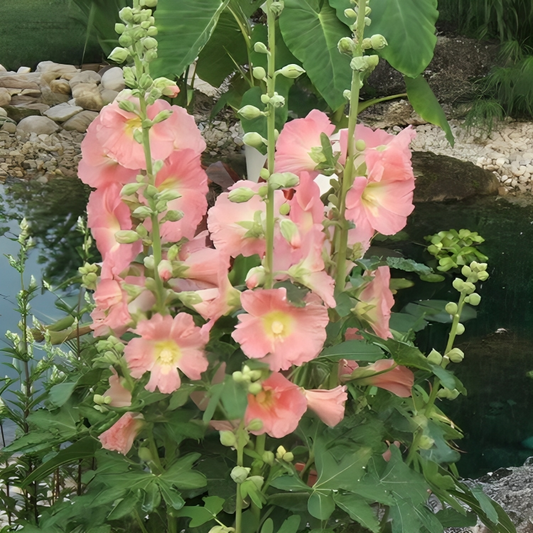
column 468, row 288
column 239, row 474
column 126, row 14
column 125, row 40
column 149, row 3
column 350, row 13
column 227, row 438
column 277, row 7
column 360, row 145
column 118, row 55
column 378, row 41
column 149, row 43
column 120, row 28
column 260, row 48
column 284, row 209
column 372, row 61
column 346, row 46
column 255, row 388
column 262, row 191
column 253, row 139
column 172, row 215
column 259, row 73
column 126, row 236
column 250, row 112
column 240, row 195
column 144, row 454
column 466, row 271
column 265, row 99
column 152, row 31
column 161, row 116
column 142, row 212
column 483, row 276
column 268, row 458
column 474, row 299
column 359, row 64
column 283, row 180
column 435, row 357
column 257, row 481
column 150, row 55
column 347, row 94
column 448, row 394
column 255, row 425
column 458, row 284
column 265, row 173
column 425, row 442
column 288, row 457
column 238, row 376
column 280, row 452
column 455, row 355
column 277, row 100
column 130, row 188
column 292, row 71
column 366, row 44
column 451, row 308
column 460, row 329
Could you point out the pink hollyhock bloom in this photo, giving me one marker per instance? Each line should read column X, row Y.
column 236, row 228
column 307, row 208
column 376, row 301
column 200, row 398
column 120, row 396
column 385, row 374
column 117, row 128
column 328, row 404
column 183, row 172
column 120, row 436
column 111, row 314
column 165, row 345
column 278, row 332
column 386, row 156
column 299, row 147
column 346, row 367
column 96, row 168
column 280, row 406
column 185, row 132
column 107, row 214
column 380, row 205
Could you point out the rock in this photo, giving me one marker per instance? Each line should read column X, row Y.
column 113, row 79
column 10, row 127
column 85, row 76
column 18, row 112
column 80, row 122
column 2, row 68
column 62, row 112
column 64, row 71
column 5, row 97
column 88, row 96
column 441, row 177
column 24, row 70
column 3, row 113
column 38, row 125
column 108, row 95
column 19, row 81
column 51, row 98
column 60, row 86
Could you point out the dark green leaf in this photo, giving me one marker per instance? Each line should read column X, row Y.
column 408, row 265
column 59, row 394
column 321, row 505
column 451, row 518
column 353, row 350
column 123, row 507
column 181, row 474
column 171, row 496
column 234, row 398
column 359, row 510
column 405, row 354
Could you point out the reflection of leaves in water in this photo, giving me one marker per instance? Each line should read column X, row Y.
column 52, row 209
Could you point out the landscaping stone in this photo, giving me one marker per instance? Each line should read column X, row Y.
column 59, row 68
column 88, row 96
column 38, row 125
column 80, row 122
column 85, row 76
column 113, row 79
column 5, row 97
column 108, row 95
column 62, row 112
column 19, row 81
column 53, row 98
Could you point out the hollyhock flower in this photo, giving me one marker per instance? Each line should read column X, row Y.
column 346, row 367
column 165, row 345
column 182, row 172
column 111, row 314
column 307, row 208
column 299, row 147
column 376, row 301
column 380, row 205
column 120, row 396
column 107, row 214
column 200, row 398
column 96, row 168
column 280, row 406
column 117, row 128
column 278, row 332
column 185, row 132
column 328, row 404
column 239, row 228
column 120, row 436
column 385, row 374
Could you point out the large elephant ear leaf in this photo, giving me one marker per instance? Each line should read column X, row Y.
column 311, row 31
column 425, row 103
column 184, row 28
column 409, row 27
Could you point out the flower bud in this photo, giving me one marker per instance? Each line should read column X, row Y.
column 280, row 452
column 161, row 116
column 152, row 31
column 255, row 425
column 277, row 100
column 435, row 357
column 150, row 55
column 292, row 71
column 240, row 195
column 483, row 275
column 249, row 112
column 120, row 28
column 350, row 13
column 474, row 299
column 239, row 474
column 126, row 236
column 372, row 61
column 288, row 457
column 346, row 46
column 456, row 355
column 253, row 139
column 277, row 7
column 260, row 48
column 268, row 458
column 359, row 64
column 425, row 442
column 126, row 14
column 172, row 215
column 458, row 284
column 466, row 271
column 468, row 288
column 265, row 99
column 255, row 388
column 283, row 180
column 144, row 454
column 366, row 44
column 238, row 376
column 255, row 277
column 378, row 41
column 258, row 481
column 360, row 145
column 460, row 329
column 347, row 94
column 227, row 438
column 118, row 55
column 290, row 232
column 262, row 191
column 129, row 189
column 451, row 308
column 125, row 40
column 142, row 212
column 284, row 209
column 259, row 73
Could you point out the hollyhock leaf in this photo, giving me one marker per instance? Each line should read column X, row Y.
column 404, row 354
column 359, row 510
column 315, row 45
column 345, row 304
column 408, row 265
column 59, row 394
column 180, row 397
column 171, row 496
column 241, row 267
column 451, row 518
column 290, row 525
column 199, row 515
column 404, row 517
column 355, row 350
column 425, row 103
column 216, row 393
column 268, row 526
column 181, row 475
column 447, row 378
column 234, row 398
column 440, row 452
column 290, row 483
column 124, row 507
column 295, row 295
column 321, row 505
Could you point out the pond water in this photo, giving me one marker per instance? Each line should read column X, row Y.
column 495, row 416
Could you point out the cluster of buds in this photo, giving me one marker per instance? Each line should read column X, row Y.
column 89, row 275
column 283, row 455
column 111, row 350
column 249, row 377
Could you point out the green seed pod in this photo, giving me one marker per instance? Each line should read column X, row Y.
column 268, row 458
column 458, row 284
column 255, row 388
column 284, row 209
column 360, row 145
column 253, row 139
column 346, row 46
column 120, row 28
column 483, row 275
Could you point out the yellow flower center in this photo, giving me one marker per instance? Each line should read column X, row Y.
column 131, row 125
column 264, row 399
column 370, row 198
column 168, row 354
column 278, row 324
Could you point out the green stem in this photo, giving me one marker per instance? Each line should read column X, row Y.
column 139, row 520
column 340, row 240
column 271, row 147
column 240, row 502
column 155, row 462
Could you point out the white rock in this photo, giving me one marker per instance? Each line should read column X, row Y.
column 113, row 79
column 87, row 95
column 50, row 66
column 501, row 161
column 518, row 172
column 108, row 95
column 36, row 124
column 80, row 122
column 85, row 76
column 3, row 112
column 62, row 112
column 24, row 70
column 10, row 127
column 2, row 68
column 5, row 97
